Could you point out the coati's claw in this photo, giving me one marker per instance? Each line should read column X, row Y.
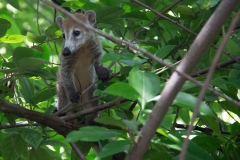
column 102, row 73
column 75, row 97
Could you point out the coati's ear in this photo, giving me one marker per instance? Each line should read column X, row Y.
column 59, row 20
column 91, row 16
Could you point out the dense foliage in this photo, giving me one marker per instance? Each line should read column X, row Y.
column 30, row 42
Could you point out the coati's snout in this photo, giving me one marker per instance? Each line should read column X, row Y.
column 66, row 51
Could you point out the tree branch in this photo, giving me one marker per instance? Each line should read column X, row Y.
column 174, row 84
column 78, row 151
column 53, row 122
column 94, row 109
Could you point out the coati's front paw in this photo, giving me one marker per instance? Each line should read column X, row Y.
column 75, row 97
column 103, row 74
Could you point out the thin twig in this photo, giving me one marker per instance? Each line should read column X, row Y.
column 207, row 81
column 78, row 151
column 153, row 19
column 94, row 109
column 219, row 66
column 148, row 54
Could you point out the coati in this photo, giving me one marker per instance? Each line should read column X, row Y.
column 79, row 60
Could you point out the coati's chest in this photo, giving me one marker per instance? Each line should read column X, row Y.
column 81, row 68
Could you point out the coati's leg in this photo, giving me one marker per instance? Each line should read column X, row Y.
column 101, row 71
column 62, row 97
column 68, row 83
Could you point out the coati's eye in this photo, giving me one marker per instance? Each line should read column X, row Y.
column 76, row 33
column 63, row 35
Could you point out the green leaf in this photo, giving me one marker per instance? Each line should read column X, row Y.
column 22, row 52
column 132, row 125
column 233, row 47
column 12, row 38
column 133, row 63
column 39, row 72
column 12, row 147
column 164, row 51
column 39, row 154
column 189, row 101
column 185, row 10
column 197, row 153
column 108, row 14
column 110, row 121
column 114, row 147
column 31, row 136
column 184, row 115
column 51, row 32
column 211, row 123
column 12, row 70
column 44, row 95
column 108, row 2
column 38, row 48
column 169, row 28
column 35, row 38
column 110, row 57
column 235, row 128
column 25, row 89
column 76, row 4
column 31, row 63
column 84, row 147
column 152, row 154
column 91, row 134
column 147, row 84
column 230, row 107
column 173, row 140
column 122, row 89
column 91, row 6
column 135, row 15
column 206, row 4
column 11, row 118
column 4, row 26
column 14, row 3
column 54, row 143
column 209, row 143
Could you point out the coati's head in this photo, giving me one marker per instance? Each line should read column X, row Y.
column 75, row 35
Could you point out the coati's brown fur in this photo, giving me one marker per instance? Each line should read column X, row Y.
column 79, row 60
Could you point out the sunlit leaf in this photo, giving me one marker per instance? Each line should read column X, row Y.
column 189, row 101
column 207, row 4
column 147, row 84
column 14, row 3
column 12, row 38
